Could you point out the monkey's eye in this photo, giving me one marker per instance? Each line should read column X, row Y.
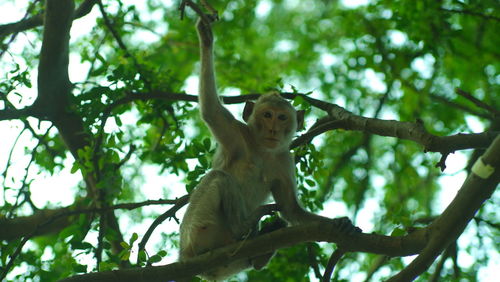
column 282, row 117
column 268, row 115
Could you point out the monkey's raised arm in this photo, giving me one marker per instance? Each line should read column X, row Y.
column 221, row 122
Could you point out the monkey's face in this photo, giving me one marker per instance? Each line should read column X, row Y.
column 273, row 126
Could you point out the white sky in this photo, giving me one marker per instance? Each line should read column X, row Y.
column 58, row 190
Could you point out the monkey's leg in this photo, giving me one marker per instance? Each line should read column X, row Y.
column 220, row 194
column 231, row 205
column 204, row 226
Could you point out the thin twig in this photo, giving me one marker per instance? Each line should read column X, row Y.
column 476, row 101
column 14, row 35
column 125, row 159
column 24, row 184
column 180, row 202
column 37, row 20
column 459, row 106
column 471, row 13
column 122, row 45
column 315, row 131
column 435, row 277
column 9, row 158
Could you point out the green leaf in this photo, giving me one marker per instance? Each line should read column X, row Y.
column 68, row 231
column 112, row 140
column 310, row 182
column 79, row 268
column 82, row 246
column 143, row 256
column 125, row 245
column 298, row 101
column 104, row 266
column 125, row 256
column 118, row 121
column 203, row 161
column 155, row 258
column 207, row 143
column 106, row 245
column 162, row 253
column 75, row 167
column 133, row 238
column 398, row 232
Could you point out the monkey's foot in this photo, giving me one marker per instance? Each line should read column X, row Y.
column 345, row 225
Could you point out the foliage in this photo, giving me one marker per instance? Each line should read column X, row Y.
column 400, row 60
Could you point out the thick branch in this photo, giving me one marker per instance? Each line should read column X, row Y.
column 413, row 131
column 448, row 227
column 25, row 225
column 434, row 238
column 54, row 86
column 54, row 100
column 286, row 237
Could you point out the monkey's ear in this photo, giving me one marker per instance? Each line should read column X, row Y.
column 247, row 111
column 300, row 119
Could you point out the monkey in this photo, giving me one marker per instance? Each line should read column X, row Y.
column 252, row 162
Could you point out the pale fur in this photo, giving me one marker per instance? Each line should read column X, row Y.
column 247, row 162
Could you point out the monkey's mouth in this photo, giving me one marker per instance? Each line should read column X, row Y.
column 272, row 139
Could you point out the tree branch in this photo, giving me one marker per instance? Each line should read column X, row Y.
column 122, row 45
column 48, row 219
column 54, row 86
column 286, row 237
column 9, row 114
column 52, row 220
column 477, row 102
column 471, row 13
column 340, row 118
column 413, row 131
column 334, row 259
column 458, row 106
column 435, row 277
column 14, row 35
column 315, row 131
column 452, row 222
column 170, row 213
column 37, row 20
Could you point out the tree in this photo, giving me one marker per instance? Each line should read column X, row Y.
column 391, row 89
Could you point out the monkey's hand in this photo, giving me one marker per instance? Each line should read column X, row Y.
column 345, row 225
column 204, row 28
